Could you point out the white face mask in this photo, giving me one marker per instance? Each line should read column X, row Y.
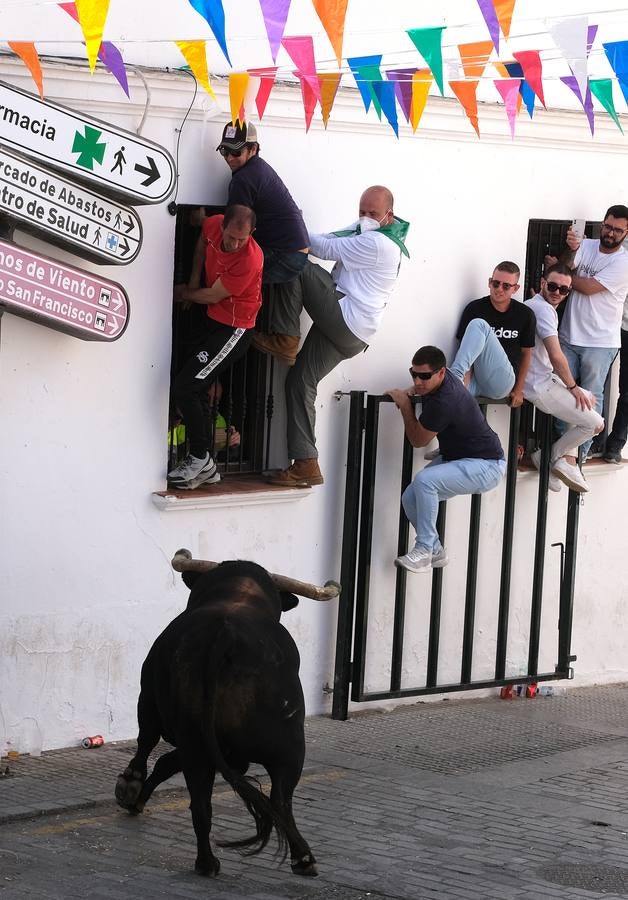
column 368, row 224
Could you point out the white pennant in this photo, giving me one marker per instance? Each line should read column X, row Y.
column 570, row 36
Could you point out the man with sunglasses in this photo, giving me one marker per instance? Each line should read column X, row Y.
column 471, row 459
column 551, row 387
column 589, row 331
column 496, row 335
column 280, row 231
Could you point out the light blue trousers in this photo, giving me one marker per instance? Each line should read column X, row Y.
column 589, row 366
column 492, row 375
column 441, row 480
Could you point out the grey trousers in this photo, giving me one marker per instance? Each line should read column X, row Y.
column 328, row 342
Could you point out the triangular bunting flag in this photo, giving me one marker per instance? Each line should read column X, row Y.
column 487, row 9
column 428, row 42
column 504, row 10
column 474, row 57
column 196, row 58
column 266, row 82
column 214, row 14
column 365, row 71
column 301, row 51
column 571, row 37
column 421, row 84
column 309, row 99
column 275, row 14
column 238, row 83
column 332, row 15
column 514, row 70
column 509, row 92
column 29, row 56
column 329, row 82
column 108, row 54
column 617, row 53
column 530, row 62
column 92, row 17
column 587, row 103
column 402, row 79
column 602, row 90
column 466, row 92
column 385, row 93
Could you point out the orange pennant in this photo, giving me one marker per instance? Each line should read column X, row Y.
column 196, row 57
column 504, row 10
column 238, row 83
column 466, row 91
column 475, row 57
column 329, row 82
column 332, row 15
column 92, row 17
column 421, row 83
column 29, row 56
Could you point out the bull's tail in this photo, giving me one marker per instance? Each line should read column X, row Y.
column 266, row 817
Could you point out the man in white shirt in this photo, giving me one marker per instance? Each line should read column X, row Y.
column 346, row 307
column 551, row 386
column 590, row 328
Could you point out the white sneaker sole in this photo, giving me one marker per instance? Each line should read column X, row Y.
column 199, row 481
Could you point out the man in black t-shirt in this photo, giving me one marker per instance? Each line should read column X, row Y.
column 280, row 231
column 471, row 459
column 496, row 335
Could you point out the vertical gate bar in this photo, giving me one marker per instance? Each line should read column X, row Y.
column 509, row 524
column 470, row 593
column 545, row 431
column 435, row 605
column 371, row 425
column 401, row 579
column 348, row 559
column 270, row 408
column 565, row 615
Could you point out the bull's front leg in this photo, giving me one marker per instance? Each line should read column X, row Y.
column 130, row 782
column 200, row 782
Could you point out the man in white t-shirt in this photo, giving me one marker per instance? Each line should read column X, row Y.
column 590, row 328
column 551, row 386
column 346, row 307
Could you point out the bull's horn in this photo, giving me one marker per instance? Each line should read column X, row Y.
column 182, row 562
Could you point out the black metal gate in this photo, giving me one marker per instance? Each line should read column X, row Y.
column 355, row 576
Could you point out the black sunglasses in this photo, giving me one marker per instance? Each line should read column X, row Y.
column 562, row 289
column 496, row 283
column 422, row 376
column 225, row 151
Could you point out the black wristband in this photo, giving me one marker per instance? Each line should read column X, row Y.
column 572, row 386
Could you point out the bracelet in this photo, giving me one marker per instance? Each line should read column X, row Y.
column 572, row 386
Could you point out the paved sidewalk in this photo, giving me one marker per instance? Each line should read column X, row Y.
column 525, row 799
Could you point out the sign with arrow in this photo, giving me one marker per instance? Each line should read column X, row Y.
column 67, row 214
column 61, row 297
column 123, row 164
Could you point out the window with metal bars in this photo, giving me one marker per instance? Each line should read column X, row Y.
column 242, row 403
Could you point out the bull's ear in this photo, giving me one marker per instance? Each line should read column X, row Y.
column 190, row 578
column 288, row 601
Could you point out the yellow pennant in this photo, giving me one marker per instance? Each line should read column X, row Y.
column 29, row 56
column 238, row 84
column 421, row 84
column 92, row 16
column 196, row 58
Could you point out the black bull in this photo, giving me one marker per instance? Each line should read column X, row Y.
column 221, row 685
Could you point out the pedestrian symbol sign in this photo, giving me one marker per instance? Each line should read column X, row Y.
column 123, row 164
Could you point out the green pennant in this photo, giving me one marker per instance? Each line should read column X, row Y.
column 602, row 90
column 428, row 43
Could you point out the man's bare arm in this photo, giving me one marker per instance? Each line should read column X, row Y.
column 415, row 432
column 183, row 293
column 516, row 395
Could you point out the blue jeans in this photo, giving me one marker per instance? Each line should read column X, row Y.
column 619, row 432
column 281, row 266
column 441, row 480
column 589, row 366
column 493, row 375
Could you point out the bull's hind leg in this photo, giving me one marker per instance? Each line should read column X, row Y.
column 130, row 782
column 200, row 781
column 284, row 778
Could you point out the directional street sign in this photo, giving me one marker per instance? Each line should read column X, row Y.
column 61, row 297
column 66, row 214
column 118, row 162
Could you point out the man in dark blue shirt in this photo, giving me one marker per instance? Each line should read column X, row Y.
column 280, row 232
column 471, row 459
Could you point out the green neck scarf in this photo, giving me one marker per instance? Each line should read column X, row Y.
column 396, row 231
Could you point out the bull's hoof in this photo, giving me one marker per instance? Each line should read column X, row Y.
column 128, row 788
column 305, row 866
column 209, row 868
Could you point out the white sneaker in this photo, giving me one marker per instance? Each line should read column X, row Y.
column 205, row 478
column 439, row 559
column 190, row 468
column 570, row 475
column 554, row 483
column 432, row 454
column 416, row 560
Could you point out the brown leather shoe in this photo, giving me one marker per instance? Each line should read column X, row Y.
column 302, row 473
column 282, row 346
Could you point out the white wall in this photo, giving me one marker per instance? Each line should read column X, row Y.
column 86, row 579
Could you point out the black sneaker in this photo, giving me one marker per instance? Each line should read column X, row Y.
column 613, row 456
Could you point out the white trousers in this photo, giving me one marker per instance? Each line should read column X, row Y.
column 552, row 397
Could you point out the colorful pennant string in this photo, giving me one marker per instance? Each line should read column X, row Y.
column 275, row 13
column 466, row 92
column 266, row 83
column 587, row 102
column 213, row 13
column 238, row 84
column 309, row 98
column 402, row 79
column 332, row 14
column 300, row 49
column 92, row 16
column 504, row 10
column 428, row 42
column 195, row 55
column 571, row 38
column 487, row 9
column 602, row 90
column 29, row 56
column 474, row 57
column 421, row 84
column 366, row 71
column 108, row 53
column 509, row 91
column 530, row 62
column 329, row 82
column 617, row 54
column 385, row 93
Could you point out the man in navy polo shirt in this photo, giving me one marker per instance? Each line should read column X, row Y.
column 280, row 231
column 471, row 459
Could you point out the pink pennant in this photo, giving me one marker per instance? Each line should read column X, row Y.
column 301, row 52
column 275, row 14
column 509, row 91
column 267, row 81
column 530, row 62
column 309, row 99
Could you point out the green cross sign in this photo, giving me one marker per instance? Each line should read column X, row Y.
column 88, row 148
